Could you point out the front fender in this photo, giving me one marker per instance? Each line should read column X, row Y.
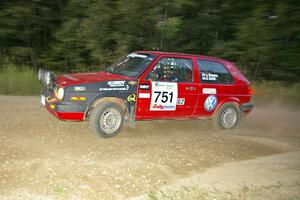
column 121, row 101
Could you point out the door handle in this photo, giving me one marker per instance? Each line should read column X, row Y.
column 190, row 88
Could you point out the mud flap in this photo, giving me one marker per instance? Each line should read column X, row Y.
column 131, row 117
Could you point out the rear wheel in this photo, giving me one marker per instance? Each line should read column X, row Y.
column 107, row 119
column 228, row 116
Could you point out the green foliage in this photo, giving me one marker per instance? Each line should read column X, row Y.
column 100, row 27
column 59, row 190
column 26, row 29
column 262, row 37
column 266, row 42
column 18, row 81
column 253, row 51
column 69, row 45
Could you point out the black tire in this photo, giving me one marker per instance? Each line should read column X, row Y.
column 101, row 113
column 228, row 117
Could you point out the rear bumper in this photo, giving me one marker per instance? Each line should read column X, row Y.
column 246, row 107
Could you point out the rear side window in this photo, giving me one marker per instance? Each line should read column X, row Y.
column 213, row 72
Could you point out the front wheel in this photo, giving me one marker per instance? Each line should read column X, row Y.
column 228, row 116
column 107, row 119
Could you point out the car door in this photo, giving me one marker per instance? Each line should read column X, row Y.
column 216, row 85
column 167, row 90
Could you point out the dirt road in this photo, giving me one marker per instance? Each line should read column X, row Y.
column 44, row 158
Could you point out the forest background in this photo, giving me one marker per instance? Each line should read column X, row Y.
column 262, row 37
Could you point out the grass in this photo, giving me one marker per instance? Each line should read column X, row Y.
column 59, row 190
column 18, row 81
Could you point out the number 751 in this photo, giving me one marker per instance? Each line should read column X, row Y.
column 165, row 96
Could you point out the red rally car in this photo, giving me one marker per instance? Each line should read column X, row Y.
column 149, row 85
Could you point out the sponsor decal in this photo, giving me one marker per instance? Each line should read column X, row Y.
column 116, row 83
column 115, row 88
column 144, row 95
column 79, row 88
column 210, row 103
column 209, row 91
column 180, row 101
column 144, row 87
column 161, row 107
column 163, row 96
column 209, row 76
column 131, row 98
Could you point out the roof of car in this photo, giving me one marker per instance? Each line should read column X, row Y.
column 181, row 54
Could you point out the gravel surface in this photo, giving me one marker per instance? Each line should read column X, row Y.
column 44, row 158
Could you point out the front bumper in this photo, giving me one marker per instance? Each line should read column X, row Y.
column 73, row 111
column 65, row 110
column 246, row 107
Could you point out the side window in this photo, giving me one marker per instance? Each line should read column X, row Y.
column 213, row 72
column 172, row 70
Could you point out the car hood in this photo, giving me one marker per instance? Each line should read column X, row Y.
column 82, row 78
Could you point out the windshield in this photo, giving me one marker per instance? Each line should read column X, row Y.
column 132, row 65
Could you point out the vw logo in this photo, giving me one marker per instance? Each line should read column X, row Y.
column 210, row 103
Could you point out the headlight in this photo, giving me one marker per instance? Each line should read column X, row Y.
column 59, row 93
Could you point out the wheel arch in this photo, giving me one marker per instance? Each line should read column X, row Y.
column 231, row 100
column 117, row 100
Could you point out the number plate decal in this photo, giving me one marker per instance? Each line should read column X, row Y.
column 163, row 96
